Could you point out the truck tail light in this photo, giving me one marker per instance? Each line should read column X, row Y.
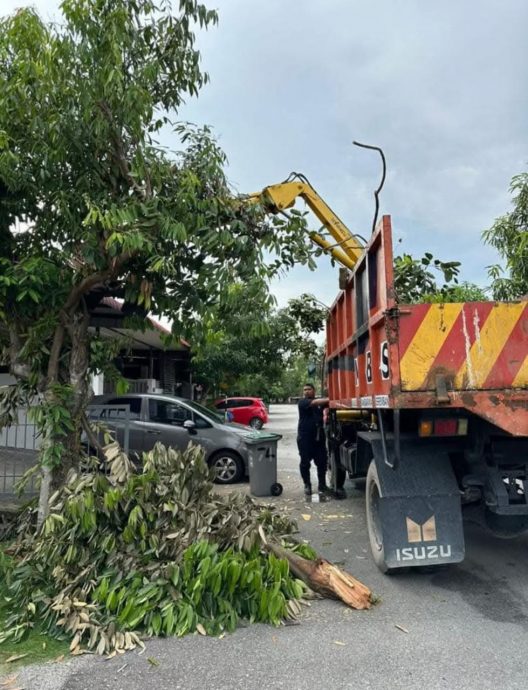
column 443, row 426
column 462, row 427
column 426, row 427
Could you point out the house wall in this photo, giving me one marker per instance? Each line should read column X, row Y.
column 154, row 371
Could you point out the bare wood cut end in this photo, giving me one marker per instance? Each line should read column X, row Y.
column 326, row 579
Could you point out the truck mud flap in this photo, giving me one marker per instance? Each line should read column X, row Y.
column 419, row 506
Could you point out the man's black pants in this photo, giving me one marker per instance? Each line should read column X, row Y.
column 312, row 449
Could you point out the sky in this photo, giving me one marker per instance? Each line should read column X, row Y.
column 440, row 86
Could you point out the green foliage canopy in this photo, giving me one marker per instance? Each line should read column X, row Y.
column 415, row 281
column 105, row 209
column 251, row 343
column 509, row 235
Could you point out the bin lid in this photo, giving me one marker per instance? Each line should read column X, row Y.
column 256, row 437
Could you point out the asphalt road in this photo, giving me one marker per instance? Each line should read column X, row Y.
column 464, row 626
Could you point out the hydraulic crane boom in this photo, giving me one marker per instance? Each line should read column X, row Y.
column 278, row 197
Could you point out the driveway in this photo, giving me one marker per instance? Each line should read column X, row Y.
column 465, row 626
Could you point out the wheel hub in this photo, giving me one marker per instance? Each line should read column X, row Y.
column 225, row 468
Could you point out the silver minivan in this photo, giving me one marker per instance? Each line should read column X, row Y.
column 175, row 422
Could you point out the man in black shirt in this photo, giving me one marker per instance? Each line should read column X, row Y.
column 311, row 439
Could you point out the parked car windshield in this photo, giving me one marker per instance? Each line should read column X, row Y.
column 213, row 416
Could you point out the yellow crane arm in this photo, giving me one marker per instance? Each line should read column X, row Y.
column 278, row 197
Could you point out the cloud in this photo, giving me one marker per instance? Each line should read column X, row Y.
column 440, row 86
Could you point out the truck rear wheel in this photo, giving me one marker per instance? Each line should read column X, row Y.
column 375, row 533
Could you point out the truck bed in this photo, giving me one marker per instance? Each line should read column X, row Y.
column 381, row 354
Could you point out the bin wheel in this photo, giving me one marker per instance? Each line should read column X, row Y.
column 276, row 489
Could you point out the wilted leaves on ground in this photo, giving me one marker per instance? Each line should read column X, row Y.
column 153, row 552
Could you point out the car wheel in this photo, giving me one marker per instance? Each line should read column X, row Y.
column 228, row 467
column 373, row 495
column 256, row 423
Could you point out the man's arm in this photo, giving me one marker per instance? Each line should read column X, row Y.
column 320, row 402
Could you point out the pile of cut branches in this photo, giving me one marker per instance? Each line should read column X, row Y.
column 130, row 553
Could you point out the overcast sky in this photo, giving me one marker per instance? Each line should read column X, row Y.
column 440, row 86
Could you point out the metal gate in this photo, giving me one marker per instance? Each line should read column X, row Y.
column 20, row 443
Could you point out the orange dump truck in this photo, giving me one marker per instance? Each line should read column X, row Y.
column 429, row 402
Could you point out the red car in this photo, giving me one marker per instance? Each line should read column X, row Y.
column 248, row 411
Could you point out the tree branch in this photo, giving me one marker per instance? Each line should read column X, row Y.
column 120, row 154
column 18, row 368
column 95, row 279
column 55, row 352
column 92, row 437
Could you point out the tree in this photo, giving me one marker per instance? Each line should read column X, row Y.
column 413, row 277
column 414, row 281
column 250, row 343
column 291, row 380
column 509, row 235
column 463, row 292
column 308, row 313
column 233, row 342
column 108, row 211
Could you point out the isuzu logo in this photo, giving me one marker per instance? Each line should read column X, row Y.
column 423, row 553
column 419, row 533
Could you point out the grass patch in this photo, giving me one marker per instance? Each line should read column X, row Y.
column 36, row 646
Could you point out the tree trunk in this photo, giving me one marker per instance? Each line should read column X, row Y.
column 326, row 578
column 81, row 394
column 54, row 477
column 44, row 494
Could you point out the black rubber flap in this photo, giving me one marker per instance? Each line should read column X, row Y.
column 420, row 530
column 424, row 469
column 420, row 509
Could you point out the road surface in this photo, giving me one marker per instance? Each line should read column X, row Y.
column 465, row 626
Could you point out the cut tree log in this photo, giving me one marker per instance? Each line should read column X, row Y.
column 326, row 578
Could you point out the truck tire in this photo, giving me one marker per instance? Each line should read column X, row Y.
column 373, row 494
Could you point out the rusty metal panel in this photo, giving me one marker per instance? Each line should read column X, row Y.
column 506, row 409
column 473, row 346
column 380, row 354
column 361, row 357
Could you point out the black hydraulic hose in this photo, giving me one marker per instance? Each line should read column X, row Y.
column 378, row 190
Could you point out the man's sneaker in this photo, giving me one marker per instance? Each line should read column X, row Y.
column 307, row 490
column 325, row 491
column 340, row 494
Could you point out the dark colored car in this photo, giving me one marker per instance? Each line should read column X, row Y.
column 249, row 411
column 175, row 422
